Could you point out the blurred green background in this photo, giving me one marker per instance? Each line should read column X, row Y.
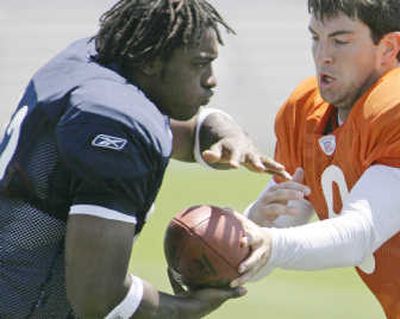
column 284, row 294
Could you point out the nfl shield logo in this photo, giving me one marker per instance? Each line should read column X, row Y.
column 328, row 144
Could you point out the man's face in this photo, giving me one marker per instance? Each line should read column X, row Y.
column 346, row 59
column 186, row 80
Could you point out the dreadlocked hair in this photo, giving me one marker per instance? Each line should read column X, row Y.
column 134, row 32
column 381, row 16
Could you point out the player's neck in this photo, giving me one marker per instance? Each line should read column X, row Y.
column 342, row 116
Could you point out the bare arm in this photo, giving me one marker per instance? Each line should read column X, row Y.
column 223, row 144
column 97, row 256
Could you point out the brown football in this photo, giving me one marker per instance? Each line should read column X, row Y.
column 203, row 245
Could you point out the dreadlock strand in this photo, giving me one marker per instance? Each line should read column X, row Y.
column 149, row 28
column 174, row 27
column 133, row 32
column 189, row 31
column 112, row 31
column 216, row 17
column 200, row 21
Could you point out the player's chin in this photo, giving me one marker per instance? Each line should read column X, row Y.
column 189, row 112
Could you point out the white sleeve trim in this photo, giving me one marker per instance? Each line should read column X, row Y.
column 201, row 116
column 102, row 212
column 128, row 306
column 370, row 217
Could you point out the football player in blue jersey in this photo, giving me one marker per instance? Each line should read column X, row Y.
column 84, row 155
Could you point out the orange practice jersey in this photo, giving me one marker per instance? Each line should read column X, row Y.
column 334, row 160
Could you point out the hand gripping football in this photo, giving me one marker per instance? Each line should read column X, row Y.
column 202, row 244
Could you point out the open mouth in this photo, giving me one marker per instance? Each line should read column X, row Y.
column 326, row 79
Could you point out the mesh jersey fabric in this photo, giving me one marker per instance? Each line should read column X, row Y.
column 82, row 134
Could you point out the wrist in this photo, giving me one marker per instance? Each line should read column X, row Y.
column 128, row 306
column 268, row 238
column 201, row 117
column 248, row 211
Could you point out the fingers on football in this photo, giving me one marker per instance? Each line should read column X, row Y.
column 251, row 266
column 229, row 293
column 252, row 237
column 177, row 287
column 216, row 296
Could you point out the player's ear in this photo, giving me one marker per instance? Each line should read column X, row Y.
column 390, row 44
column 152, row 68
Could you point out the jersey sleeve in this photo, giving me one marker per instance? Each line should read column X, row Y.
column 111, row 165
column 379, row 121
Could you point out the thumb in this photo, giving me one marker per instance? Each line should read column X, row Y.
column 213, row 154
column 298, row 175
column 229, row 293
column 238, row 292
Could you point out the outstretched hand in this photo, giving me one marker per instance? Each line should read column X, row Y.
column 224, row 144
column 237, row 151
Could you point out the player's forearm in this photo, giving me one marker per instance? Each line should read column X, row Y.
column 200, row 133
column 341, row 242
column 369, row 218
column 140, row 300
column 91, row 301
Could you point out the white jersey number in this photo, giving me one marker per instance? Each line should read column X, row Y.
column 11, row 137
column 333, row 174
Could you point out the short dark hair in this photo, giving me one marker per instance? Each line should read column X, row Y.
column 134, row 32
column 381, row 16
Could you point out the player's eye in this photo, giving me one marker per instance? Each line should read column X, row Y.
column 201, row 65
column 340, row 42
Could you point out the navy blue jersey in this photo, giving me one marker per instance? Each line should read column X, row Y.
column 81, row 136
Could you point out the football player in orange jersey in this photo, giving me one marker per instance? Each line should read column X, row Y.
column 339, row 134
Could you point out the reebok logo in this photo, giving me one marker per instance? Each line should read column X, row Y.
column 110, row 142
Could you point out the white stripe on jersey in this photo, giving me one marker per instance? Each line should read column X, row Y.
column 102, row 212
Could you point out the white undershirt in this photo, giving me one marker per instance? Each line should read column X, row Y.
column 370, row 216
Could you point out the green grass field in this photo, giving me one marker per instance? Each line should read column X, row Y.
column 284, row 294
